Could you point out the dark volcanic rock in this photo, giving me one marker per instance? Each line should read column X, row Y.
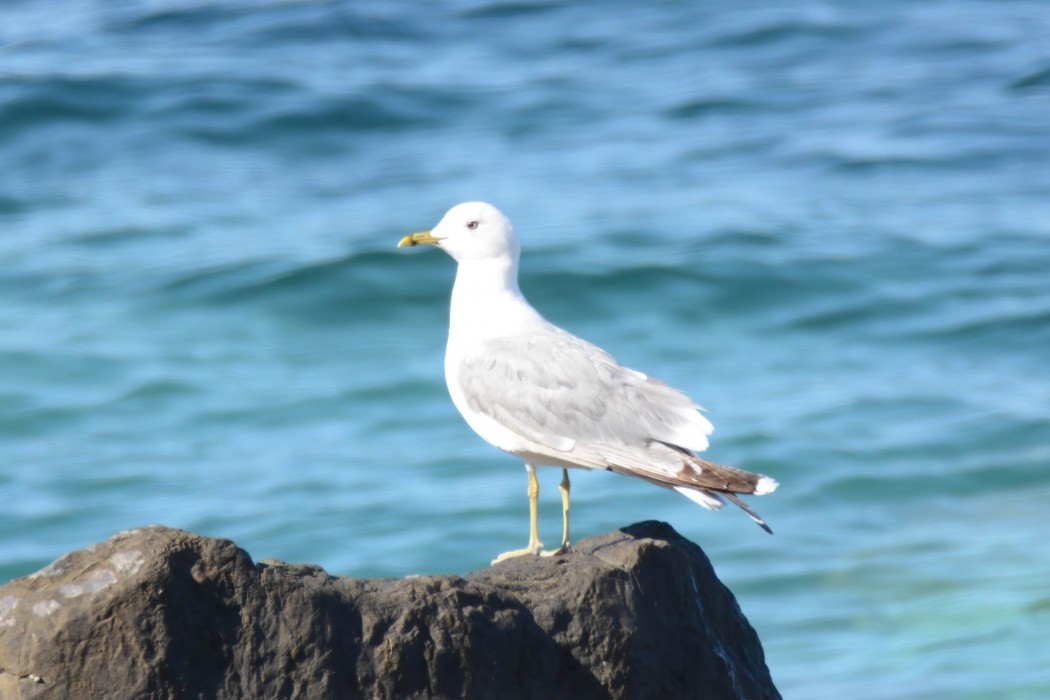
column 161, row 613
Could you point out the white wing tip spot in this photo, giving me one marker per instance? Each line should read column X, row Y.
column 765, row 485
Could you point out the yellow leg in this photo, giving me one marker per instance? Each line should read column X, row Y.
column 564, row 488
column 535, row 546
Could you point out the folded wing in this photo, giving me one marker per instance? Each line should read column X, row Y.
column 578, row 405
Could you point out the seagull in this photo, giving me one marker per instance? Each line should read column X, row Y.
column 552, row 399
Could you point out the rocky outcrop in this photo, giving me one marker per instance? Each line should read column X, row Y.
column 162, row 613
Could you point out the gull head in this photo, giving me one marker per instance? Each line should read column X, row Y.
column 472, row 231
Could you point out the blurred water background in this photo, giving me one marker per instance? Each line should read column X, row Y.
column 829, row 222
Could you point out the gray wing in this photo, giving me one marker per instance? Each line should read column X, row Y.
column 581, row 407
column 570, row 396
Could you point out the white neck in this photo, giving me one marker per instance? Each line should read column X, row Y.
column 487, row 303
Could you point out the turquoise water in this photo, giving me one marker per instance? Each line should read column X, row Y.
column 827, row 221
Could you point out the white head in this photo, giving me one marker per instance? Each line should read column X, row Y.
column 472, row 231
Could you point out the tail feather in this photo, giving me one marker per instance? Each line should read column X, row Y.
column 750, row 513
column 721, row 482
column 722, row 478
column 707, row 483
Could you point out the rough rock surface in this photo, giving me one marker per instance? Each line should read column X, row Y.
column 162, row 613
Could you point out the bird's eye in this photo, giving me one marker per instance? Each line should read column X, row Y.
column 472, row 225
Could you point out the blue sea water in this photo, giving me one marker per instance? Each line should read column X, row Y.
column 829, row 222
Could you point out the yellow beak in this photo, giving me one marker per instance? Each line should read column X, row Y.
column 421, row 238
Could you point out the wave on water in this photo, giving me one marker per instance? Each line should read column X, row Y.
column 1039, row 78
column 766, row 31
column 356, row 282
column 215, row 109
column 31, row 104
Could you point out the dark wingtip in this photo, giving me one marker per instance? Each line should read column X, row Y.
column 747, row 509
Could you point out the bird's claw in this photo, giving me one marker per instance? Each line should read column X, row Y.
column 565, row 548
column 533, row 550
